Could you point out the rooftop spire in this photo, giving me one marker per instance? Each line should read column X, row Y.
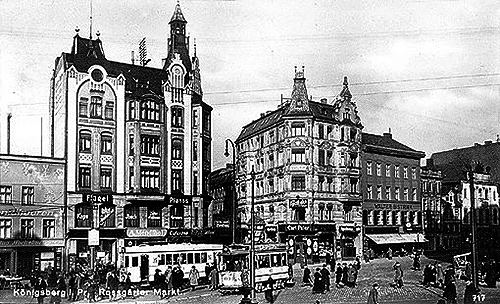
column 90, row 19
column 178, row 16
column 299, row 101
column 345, row 93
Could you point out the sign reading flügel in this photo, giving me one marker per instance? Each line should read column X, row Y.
column 97, row 198
column 138, row 232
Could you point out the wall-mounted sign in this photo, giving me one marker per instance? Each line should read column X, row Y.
column 21, row 212
column 222, row 224
column 93, row 237
column 298, row 203
column 178, row 232
column 176, row 200
column 298, row 227
column 97, row 198
column 146, row 232
column 31, row 243
column 396, row 206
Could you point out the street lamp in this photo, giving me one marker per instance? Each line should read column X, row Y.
column 252, row 240
column 233, row 207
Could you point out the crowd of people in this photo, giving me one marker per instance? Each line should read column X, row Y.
column 345, row 275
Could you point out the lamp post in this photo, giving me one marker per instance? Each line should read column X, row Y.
column 473, row 227
column 233, row 206
column 252, row 240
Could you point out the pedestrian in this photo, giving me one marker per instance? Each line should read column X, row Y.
column 328, row 258
column 157, row 280
column 269, row 290
column 449, row 275
column 358, row 263
column 127, row 285
column 351, row 276
column 469, row 293
column 40, row 289
column 194, row 275
column 290, row 271
column 416, row 261
column 78, row 286
column 338, row 275
column 72, row 285
column 345, row 270
column 427, row 275
column 373, row 295
column 389, row 253
column 208, row 269
column 177, row 278
column 306, row 279
column 318, row 285
column 213, row 278
column 450, row 292
column 59, row 289
column 439, row 276
column 326, row 277
column 398, row 275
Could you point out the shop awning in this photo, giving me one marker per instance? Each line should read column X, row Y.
column 396, row 238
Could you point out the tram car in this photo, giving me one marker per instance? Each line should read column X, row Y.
column 234, row 266
column 143, row 260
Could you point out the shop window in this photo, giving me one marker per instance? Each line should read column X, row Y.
column 131, row 216
column 177, row 216
column 28, row 194
column 106, row 143
column 83, row 216
column 49, row 228
column 154, row 217
column 84, row 141
column 107, row 216
column 84, row 177
column 5, row 229
column 27, row 228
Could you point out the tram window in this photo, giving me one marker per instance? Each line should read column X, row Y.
column 190, row 258
column 126, row 261
column 203, row 257
column 176, row 258
column 283, row 259
column 275, row 260
column 135, row 261
column 168, row 259
column 263, row 261
column 161, row 259
column 197, row 258
column 183, row 258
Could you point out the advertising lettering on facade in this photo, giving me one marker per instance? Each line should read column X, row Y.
column 31, row 243
column 149, row 232
column 97, row 198
column 21, row 212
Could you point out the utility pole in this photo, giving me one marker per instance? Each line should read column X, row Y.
column 473, row 227
column 252, row 240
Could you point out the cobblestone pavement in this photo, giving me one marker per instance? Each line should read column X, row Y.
column 379, row 271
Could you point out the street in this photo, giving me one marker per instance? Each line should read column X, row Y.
column 379, row 271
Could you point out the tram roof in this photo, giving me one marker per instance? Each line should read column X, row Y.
column 172, row 247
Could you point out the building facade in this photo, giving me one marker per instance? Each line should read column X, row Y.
column 301, row 165
column 32, row 213
column 431, row 179
column 221, row 207
column 137, row 141
column 392, row 211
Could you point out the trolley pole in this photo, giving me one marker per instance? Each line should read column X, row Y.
column 252, row 239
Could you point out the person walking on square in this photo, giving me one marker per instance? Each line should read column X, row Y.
column 338, row 275
column 39, row 289
column 450, row 292
column 389, row 254
column 168, row 280
column 345, row 270
column 398, row 275
column 326, row 277
column 194, row 275
column 213, row 278
column 318, row 285
column 351, row 276
column 373, row 295
column 269, row 290
column 306, row 279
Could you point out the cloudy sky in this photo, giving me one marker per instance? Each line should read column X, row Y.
column 427, row 69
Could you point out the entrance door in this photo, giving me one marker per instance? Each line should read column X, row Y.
column 144, row 267
column 349, row 251
column 300, row 253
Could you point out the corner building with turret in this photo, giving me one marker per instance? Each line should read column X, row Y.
column 137, row 145
column 303, row 162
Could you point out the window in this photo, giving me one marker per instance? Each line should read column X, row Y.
column 321, row 156
column 414, row 173
column 83, row 215
column 27, row 195
column 406, row 198
column 196, row 118
column 397, row 195
column 108, row 110
column 271, row 185
column 131, row 178
column 369, row 168
column 131, row 216
column 106, row 178
column 379, row 192
column 195, row 216
column 353, row 159
column 405, row 172
column 177, row 117
column 5, row 229
column 177, row 95
column 388, row 170
column 150, row 145
column 131, row 110
column 388, row 192
column 298, row 129
column 195, row 183
column 396, row 171
column 176, row 148
column 106, row 143
column 27, row 228
column 195, row 151
column 379, row 169
column 321, row 131
column 83, row 107
column 84, row 177
column 414, row 194
column 177, row 216
column 154, row 217
column 96, row 107
column 150, row 178
column 369, row 192
column 206, row 122
column 131, row 144
column 177, row 181
column 84, row 142
column 49, row 228
column 298, row 155
column 353, row 182
column 299, row 214
column 298, row 182
column 150, row 110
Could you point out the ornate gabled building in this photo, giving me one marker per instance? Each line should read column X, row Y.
column 137, row 141
column 304, row 159
column 431, row 179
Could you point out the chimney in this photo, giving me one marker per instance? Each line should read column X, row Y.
column 323, row 100
column 488, row 142
column 388, row 135
column 262, row 114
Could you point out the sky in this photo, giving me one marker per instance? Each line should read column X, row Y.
column 427, row 69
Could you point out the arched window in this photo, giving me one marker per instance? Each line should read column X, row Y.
column 106, row 143
column 84, row 141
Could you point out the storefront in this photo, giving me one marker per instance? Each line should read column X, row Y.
column 399, row 243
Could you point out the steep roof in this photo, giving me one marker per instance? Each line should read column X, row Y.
column 386, row 144
column 178, row 15
column 261, row 124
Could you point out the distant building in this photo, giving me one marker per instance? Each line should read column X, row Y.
column 432, row 206
column 221, row 208
column 32, row 212
column 392, row 210
column 137, row 141
column 304, row 159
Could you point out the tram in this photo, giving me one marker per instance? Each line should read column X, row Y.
column 143, row 260
column 270, row 260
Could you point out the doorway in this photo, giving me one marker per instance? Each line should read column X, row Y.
column 144, row 267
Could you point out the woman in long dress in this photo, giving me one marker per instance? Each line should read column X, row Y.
column 194, row 275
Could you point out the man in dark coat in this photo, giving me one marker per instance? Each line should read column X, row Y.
column 338, row 274
column 318, row 285
column 306, row 279
column 39, row 289
column 345, row 271
column 326, row 277
column 450, row 292
column 269, row 290
column 208, row 269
